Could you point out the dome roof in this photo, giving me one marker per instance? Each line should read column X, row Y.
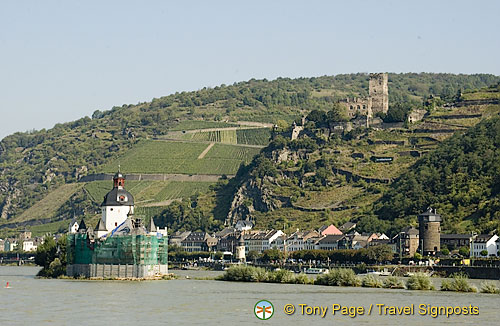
column 118, row 197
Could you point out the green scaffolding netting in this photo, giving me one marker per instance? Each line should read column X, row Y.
column 120, row 250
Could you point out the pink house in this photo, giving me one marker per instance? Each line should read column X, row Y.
column 329, row 230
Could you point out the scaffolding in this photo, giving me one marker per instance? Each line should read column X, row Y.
column 117, row 250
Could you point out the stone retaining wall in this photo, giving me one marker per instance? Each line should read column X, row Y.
column 115, row 271
column 154, row 177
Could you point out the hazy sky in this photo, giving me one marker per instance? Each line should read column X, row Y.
column 61, row 60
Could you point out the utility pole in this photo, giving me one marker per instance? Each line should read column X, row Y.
column 400, row 253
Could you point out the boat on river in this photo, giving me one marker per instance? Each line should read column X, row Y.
column 313, row 270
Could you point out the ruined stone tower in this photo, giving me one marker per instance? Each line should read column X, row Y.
column 379, row 92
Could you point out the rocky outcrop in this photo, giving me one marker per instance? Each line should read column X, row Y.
column 286, row 154
column 6, row 206
column 254, row 195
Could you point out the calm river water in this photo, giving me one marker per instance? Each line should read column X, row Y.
column 30, row 301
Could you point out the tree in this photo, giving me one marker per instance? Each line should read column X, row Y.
column 271, row 255
column 445, row 251
column 397, row 113
column 463, row 251
column 380, row 253
column 46, row 252
column 336, row 114
column 253, row 255
column 484, row 253
column 51, row 255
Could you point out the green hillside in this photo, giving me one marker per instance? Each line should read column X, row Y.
column 34, row 164
column 48, row 206
column 461, row 178
column 334, row 180
column 182, row 157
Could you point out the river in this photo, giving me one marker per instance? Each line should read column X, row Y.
column 31, row 301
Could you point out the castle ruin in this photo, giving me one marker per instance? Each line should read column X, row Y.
column 377, row 100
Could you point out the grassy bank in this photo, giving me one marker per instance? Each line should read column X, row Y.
column 347, row 277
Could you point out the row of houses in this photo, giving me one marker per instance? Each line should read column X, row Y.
column 406, row 242
column 327, row 237
column 25, row 239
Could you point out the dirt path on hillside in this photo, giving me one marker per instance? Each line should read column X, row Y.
column 209, row 147
column 255, row 124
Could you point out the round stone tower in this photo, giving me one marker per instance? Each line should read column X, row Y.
column 430, row 232
column 240, row 249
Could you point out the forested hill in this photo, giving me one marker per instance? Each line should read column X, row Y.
column 32, row 164
column 461, row 178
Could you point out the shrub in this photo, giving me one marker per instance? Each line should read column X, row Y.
column 419, row 281
column 244, row 274
column 302, row 279
column 371, row 281
column 339, row 277
column 392, row 282
column 257, row 274
column 260, row 274
column 281, row 276
column 458, row 284
column 489, row 287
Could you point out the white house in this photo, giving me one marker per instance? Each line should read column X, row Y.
column 486, row 242
column 261, row 241
column 73, row 226
column 298, row 240
column 312, row 243
column 243, row 225
column 29, row 245
column 279, row 243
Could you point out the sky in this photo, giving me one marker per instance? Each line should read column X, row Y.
column 62, row 60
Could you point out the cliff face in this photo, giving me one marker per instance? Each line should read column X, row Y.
column 11, row 192
column 253, row 195
column 256, row 193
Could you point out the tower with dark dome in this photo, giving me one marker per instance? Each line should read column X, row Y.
column 117, row 205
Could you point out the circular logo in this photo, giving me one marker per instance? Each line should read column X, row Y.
column 263, row 310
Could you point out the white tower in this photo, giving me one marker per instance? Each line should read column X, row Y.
column 240, row 249
column 117, row 204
